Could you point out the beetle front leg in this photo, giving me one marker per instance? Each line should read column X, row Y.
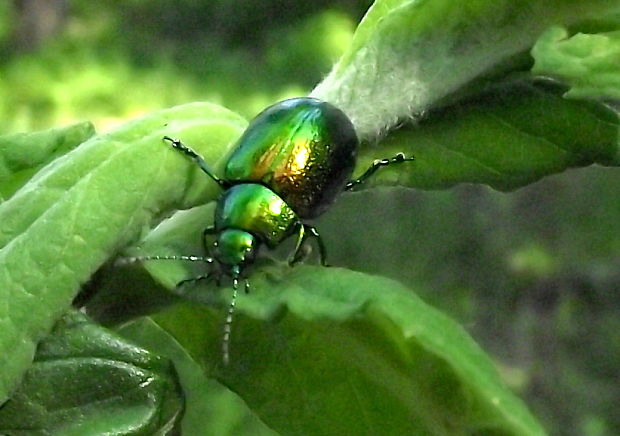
column 183, row 283
column 178, row 145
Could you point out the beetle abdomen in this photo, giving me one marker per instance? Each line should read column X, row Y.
column 303, row 149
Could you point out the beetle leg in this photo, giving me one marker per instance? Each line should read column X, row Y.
column 322, row 251
column 399, row 158
column 193, row 280
column 178, row 145
column 306, row 231
column 298, row 256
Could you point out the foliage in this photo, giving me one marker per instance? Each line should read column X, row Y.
column 587, row 62
column 84, row 376
column 318, row 351
column 122, row 76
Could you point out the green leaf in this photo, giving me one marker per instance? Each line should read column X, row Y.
column 76, row 212
column 22, row 154
column 211, row 408
column 506, row 138
column 330, row 351
column 589, row 63
column 406, row 55
column 87, row 381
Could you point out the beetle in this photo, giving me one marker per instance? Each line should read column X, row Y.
column 289, row 165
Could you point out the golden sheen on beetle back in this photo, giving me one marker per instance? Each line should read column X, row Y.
column 303, row 149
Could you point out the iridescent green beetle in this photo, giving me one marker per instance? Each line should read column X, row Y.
column 289, row 165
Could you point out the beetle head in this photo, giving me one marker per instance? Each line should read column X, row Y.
column 235, row 247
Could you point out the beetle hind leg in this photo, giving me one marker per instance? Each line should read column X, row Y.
column 379, row 163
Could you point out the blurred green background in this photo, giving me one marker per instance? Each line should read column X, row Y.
column 533, row 275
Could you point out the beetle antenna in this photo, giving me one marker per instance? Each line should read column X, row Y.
column 229, row 318
column 229, row 315
column 134, row 259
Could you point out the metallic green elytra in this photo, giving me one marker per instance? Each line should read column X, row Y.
column 303, row 149
column 289, row 165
